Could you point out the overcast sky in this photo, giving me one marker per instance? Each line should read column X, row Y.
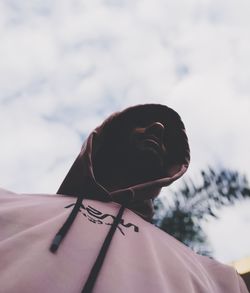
column 67, row 64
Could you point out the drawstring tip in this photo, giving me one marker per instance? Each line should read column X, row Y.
column 66, row 226
column 55, row 243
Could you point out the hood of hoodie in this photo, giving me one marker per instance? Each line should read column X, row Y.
column 81, row 179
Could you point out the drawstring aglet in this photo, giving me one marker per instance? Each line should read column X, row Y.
column 55, row 243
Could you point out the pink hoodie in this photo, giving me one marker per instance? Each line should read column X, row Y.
column 103, row 243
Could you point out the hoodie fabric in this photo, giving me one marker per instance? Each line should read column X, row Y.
column 86, row 238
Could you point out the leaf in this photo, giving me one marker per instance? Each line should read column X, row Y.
column 182, row 215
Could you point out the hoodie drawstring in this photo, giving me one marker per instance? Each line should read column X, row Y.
column 66, row 226
column 88, row 287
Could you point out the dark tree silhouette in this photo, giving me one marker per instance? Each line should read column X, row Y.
column 182, row 214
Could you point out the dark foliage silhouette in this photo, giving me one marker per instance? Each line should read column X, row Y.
column 182, row 214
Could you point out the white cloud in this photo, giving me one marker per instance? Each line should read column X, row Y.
column 230, row 233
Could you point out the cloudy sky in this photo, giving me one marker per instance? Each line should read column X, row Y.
column 67, row 64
